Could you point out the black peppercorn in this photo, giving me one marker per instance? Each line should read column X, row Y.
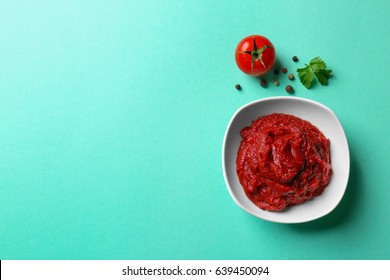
column 238, row 87
column 276, row 71
column 294, row 58
column 263, row 82
column 289, row 89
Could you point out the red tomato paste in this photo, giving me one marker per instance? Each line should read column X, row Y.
column 283, row 161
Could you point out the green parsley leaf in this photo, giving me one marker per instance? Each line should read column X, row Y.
column 316, row 68
column 323, row 76
column 306, row 76
column 317, row 64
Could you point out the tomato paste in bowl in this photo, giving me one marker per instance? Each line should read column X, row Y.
column 285, row 159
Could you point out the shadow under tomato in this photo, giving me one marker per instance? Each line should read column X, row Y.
column 344, row 212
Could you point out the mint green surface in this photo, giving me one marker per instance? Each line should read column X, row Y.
column 112, row 117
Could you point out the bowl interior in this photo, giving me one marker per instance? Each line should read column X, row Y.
column 320, row 116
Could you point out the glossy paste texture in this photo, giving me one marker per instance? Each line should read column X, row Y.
column 282, row 161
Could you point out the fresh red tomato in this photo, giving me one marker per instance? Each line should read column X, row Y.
column 255, row 55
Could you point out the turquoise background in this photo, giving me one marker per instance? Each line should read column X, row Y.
column 112, row 117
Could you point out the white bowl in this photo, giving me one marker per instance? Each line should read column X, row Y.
column 320, row 116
